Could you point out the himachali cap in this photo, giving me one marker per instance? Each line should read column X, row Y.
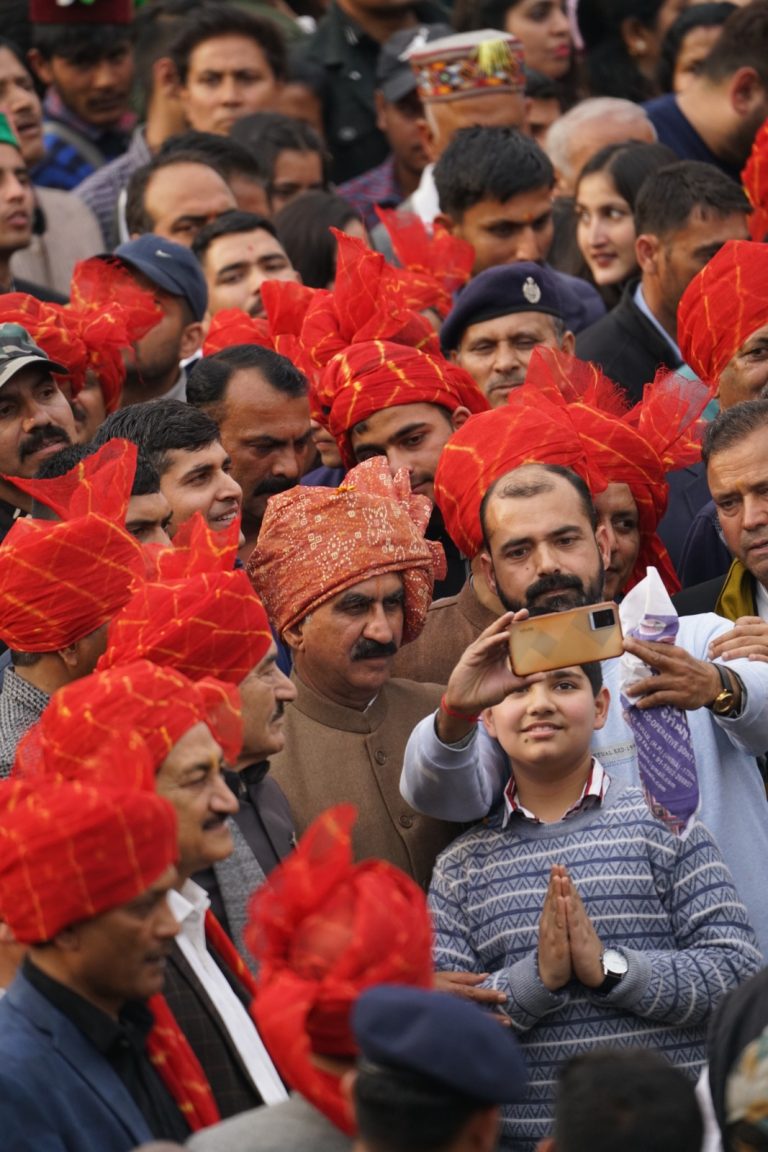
column 7, row 135
column 323, row 929
column 316, row 542
column 394, row 75
column 452, row 1043
column 81, row 11
column 500, row 291
column 71, row 851
column 18, row 350
column 469, row 64
column 722, row 306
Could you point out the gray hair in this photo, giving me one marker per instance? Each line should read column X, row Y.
column 595, row 108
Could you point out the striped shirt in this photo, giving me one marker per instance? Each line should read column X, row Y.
column 592, row 794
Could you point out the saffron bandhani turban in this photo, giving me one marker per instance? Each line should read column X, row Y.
column 61, row 581
column 370, row 377
column 722, row 306
column 316, row 542
column 323, row 929
column 754, row 177
column 71, row 851
column 199, row 616
column 532, row 428
column 158, row 704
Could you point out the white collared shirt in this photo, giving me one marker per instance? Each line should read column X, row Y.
column 761, row 601
column 189, row 907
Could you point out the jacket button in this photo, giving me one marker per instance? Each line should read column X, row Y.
column 406, row 820
column 380, row 757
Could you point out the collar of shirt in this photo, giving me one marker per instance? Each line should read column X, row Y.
column 23, row 693
column 55, row 109
column 761, row 600
column 105, row 1033
column 642, row 304
column 189, row 907
column 592, row 794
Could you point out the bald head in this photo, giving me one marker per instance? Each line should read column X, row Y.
column 593, row 124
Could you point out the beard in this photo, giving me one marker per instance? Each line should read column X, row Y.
column 558, row 592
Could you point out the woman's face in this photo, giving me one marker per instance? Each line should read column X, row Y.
column 542, row 27
column 605, row 229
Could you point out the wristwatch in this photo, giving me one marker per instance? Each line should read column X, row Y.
column 724, row 704
column 615, row 967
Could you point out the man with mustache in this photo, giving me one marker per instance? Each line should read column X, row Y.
column 542, row 553
column 346, row 577
column 260, row 402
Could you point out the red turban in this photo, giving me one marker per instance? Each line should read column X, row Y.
column 722, row 306
column 755, row 180
column 70, row 851
column 370, row 377
column 48, row 326
column 200, row 616
column 158, row 704
column 286, row 305
column 323, row 929
column 315, row 542
column 437, row 264
column 531, row 428
column 109, row 313
column 60, row 582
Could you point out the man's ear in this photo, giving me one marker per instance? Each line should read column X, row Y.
column 70, row 656
column 744, row 89
column 481, row 1131
column 68, row 940
column 459, row 416
column 165, row 78
column 427, row 138
column 347, row 1086
column 486, row 566
column 446, row 221
column 603, row 545
column 191, row 339
column 602, row 702
column 40, row 66
column 294, row 636
column 647, row 252
column 568, row 343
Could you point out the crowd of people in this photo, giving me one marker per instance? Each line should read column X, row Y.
column 340, row 340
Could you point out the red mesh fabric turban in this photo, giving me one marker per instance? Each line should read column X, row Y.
column 59, row 582
column 200, row 616
column 315, row 542
column 755, row 180
column 437, row 264
column 109, row 313
column 532, row 428
column 286, row 305
column 50, row 328
column 70, row 851
column 323, row 930
column 372, row 376
column 722, row 306
column 157, row 704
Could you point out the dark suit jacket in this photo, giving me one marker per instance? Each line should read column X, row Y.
column 627, row 346
column 209, row 1039
column 699, row 598
column 57, row 1092
column 688, row 494
column 39, row 291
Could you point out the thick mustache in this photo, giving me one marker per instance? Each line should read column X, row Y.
column 560, row 583
column 274, row 486
column 41, row 438
column 365, row 649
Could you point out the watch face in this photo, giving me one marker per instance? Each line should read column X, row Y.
column 614, row 963
column 724, row 703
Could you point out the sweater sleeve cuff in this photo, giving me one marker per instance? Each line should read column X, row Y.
column 527, row 998
column 630, row 991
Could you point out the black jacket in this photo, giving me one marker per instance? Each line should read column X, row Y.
column 627, row 346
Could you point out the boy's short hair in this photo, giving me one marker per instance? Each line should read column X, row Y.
column 489, row 164
column 594, row 673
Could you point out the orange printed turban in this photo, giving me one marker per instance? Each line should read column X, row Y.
column 722, row 306
column 323, row 929
column 532, row 428
column 755, row 180
column 370, row 377
column 437, row 264
column 61, row 581
column 316, row 542
column 198, row 615
column 158, row 704
column 71, row 851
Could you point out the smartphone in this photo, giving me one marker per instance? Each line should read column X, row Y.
column 559, row 639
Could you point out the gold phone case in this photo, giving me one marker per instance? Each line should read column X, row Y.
column 559, row 639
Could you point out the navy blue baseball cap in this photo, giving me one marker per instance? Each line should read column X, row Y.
column 450, row 1041
column 169, row 266
column 499, row 291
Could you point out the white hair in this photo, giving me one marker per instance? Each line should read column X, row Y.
column 595, row 108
